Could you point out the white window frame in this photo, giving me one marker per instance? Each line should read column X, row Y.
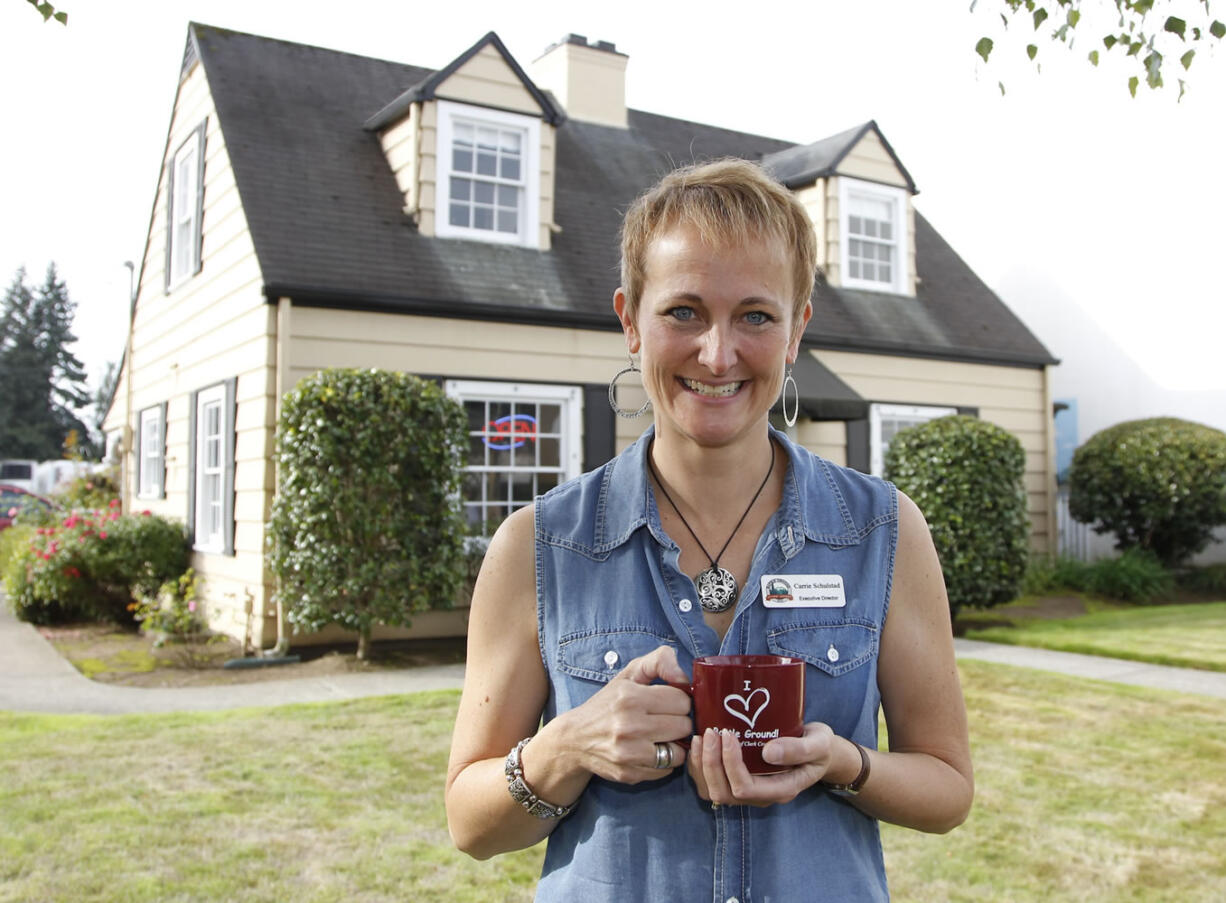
column 183, row 227
column 449, row 114
column 151, row 468
column 570, row 452
column 915, row 413
column 849, row 189
column 209, row 537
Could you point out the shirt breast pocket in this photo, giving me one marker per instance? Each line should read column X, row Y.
column 598, row 656
column 832, row 647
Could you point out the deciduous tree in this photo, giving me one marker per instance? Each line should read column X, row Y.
column 1153, row 36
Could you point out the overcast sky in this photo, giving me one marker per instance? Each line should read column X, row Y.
column 1064, row 179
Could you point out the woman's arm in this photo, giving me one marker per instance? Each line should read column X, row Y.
column 613, row 734
column 925, row 781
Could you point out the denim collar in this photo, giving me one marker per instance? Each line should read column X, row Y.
column 626, row 501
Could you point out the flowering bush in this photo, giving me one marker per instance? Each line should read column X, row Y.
column 96, row 491
column 91, row 564
column 173, row 612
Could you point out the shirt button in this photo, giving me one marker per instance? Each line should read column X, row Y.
column 832, row 654
column 685, row 604
column 732, row 900
column 610, row 658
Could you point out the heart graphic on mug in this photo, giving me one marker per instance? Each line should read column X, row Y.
column 739, row 706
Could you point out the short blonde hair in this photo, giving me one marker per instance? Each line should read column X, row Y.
column 728, row 201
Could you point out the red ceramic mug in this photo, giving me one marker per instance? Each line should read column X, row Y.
column 756, row 697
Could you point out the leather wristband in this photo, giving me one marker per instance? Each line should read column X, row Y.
column 522, row 793
column 854, row 787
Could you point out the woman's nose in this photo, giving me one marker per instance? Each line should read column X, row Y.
column 717, row 353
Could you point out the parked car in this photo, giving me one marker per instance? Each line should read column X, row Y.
column 14, row 500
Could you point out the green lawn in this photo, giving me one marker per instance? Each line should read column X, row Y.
column 1086, row 791
column 1191, row 636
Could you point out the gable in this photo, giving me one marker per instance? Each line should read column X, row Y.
column 487, row 80
column 870, row 159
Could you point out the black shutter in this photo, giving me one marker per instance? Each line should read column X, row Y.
column 170, row 222
column 599, row 427
column 858, row 452
column 192, row 414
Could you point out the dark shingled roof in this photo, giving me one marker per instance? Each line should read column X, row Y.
column 326, row 216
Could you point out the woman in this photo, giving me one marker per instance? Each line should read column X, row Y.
column 590, row 602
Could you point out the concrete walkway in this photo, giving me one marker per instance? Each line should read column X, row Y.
column 34, row 678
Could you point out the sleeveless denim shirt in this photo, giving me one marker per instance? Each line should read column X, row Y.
column 609, row 589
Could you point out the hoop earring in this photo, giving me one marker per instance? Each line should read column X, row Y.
column 623, row 412
column 783, row 398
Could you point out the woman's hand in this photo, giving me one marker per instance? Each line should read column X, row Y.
column 720, row 774
column 614, row 734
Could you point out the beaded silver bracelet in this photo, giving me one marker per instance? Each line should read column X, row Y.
column 522, row 793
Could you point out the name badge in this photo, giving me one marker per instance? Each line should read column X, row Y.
column 803, row 591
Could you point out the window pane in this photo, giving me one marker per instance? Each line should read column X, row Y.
column 461, row 189
column 854, row 225
column 459, row 215
column 549, row 418
column 508, row 221
column 483, row 192
column 550, row 451
column 883, row 272
column 523, row 489
column 508, row 196
column 870, row 228
column 476, row 451
column 487, row 164
column 885, row 253
column 509, row 168
column 854, row 247
column 887, row 231
column 546, row 481
column 462, row 159
column 483, row 218
column 509, row 142
column 870, row 270
column 463, row 134
column 476, row 414
column 853, row 268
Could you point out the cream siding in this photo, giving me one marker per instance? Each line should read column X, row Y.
column 813, row 199
column 487, row 81
column 209, row 328
column 1014, row 398
column 401, row 146
column 869, row 160
column 827, row 438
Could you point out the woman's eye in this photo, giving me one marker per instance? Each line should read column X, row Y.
column 682, row 313
column 758, row 318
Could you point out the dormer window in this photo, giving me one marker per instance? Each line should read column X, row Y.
column 489, row 175
column 874, row 239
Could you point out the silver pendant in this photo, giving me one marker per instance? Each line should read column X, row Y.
column 717, row 589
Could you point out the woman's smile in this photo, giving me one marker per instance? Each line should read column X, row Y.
column 709, row 390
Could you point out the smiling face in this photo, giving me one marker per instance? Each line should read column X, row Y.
column 714, row 326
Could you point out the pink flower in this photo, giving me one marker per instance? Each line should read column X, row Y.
column 191, row 606
column 89, row 485
column 146, row 513
column 114, row 503
column 102, row 534
column 12, row 512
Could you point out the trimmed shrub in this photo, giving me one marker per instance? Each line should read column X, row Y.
column 1053, row 575
column 1135, row 576
column 1157, row 484
column 966, row 476
column 93, row 566
column 366, row 525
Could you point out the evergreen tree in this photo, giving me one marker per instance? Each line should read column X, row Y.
column 42, row 381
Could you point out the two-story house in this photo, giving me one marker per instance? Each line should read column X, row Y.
column 321, row 209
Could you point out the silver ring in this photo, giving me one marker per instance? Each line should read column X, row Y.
column 664, row 755
column 714, row 806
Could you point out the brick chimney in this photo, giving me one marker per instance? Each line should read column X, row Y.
column 588, row 80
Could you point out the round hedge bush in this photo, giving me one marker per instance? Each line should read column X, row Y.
column 366, row 525
column 966, row 476
column 1157, row 484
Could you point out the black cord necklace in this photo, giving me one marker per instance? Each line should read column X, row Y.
column 716, row 586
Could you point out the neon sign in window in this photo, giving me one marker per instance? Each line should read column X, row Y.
column 512, row 431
